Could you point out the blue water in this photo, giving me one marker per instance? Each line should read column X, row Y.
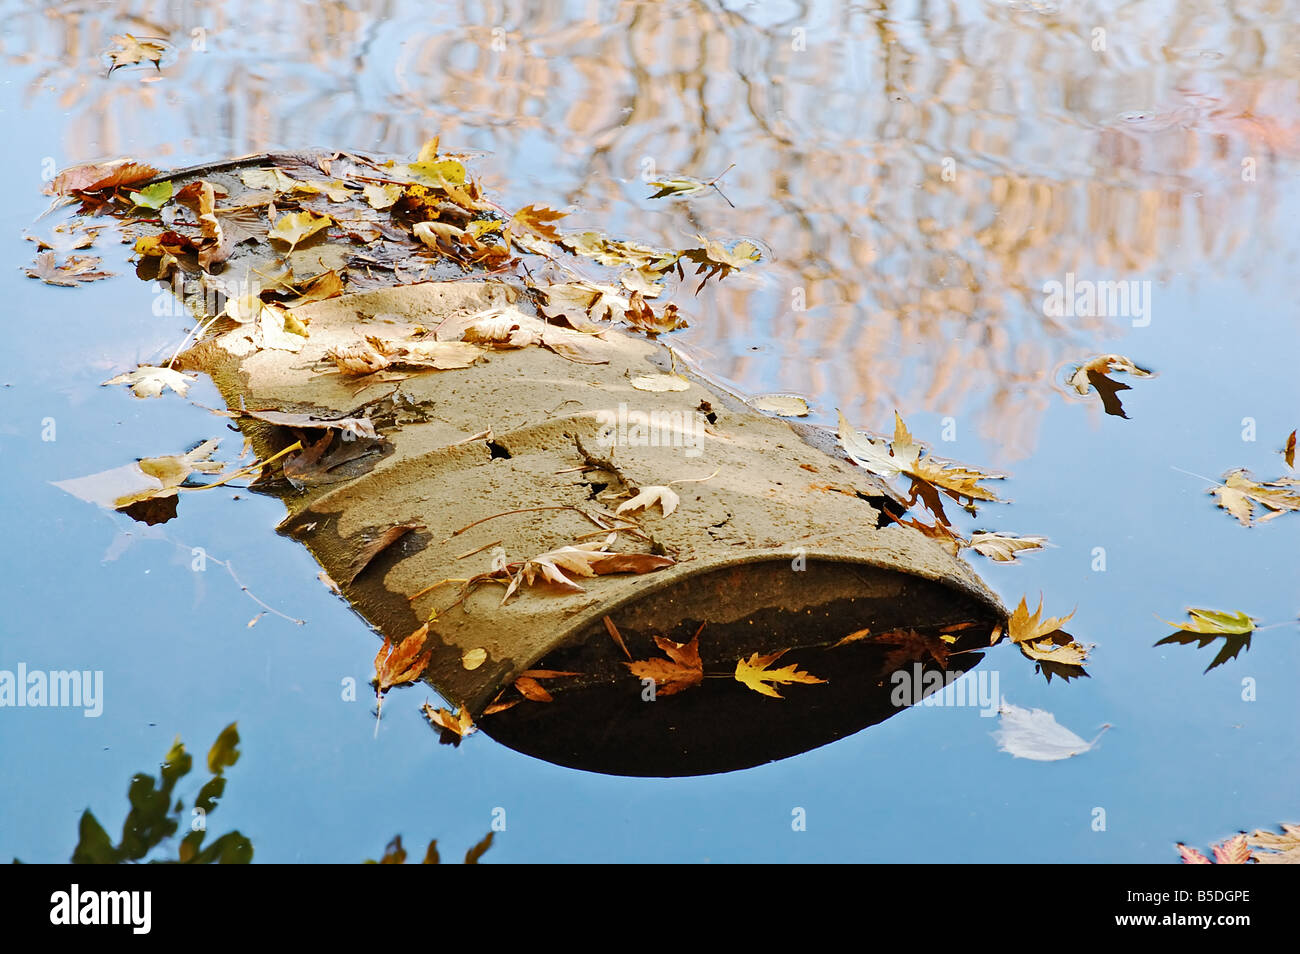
column 838, row 148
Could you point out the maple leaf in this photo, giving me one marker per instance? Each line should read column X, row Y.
column 131, row 50
column 714, row 258
column 929, row 475
column 909, row 647
column 573, row 300
column 538, row 219
column 395, row 665
column 147, row 381
column 681, row 670
column 1239, row 493
column 607, row 251
column 647, row 497
column 74, row 270
column 678, row 187
column 1288, row 451
column 454, row 725
column 1233, row 851
column 1273, row 849
column 1207, row 626
column 294, row 227
column 1003, row 547
column 755, row 674
column 1043, row 641
column 1093, row 374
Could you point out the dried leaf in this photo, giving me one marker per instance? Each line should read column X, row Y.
column 458, row 724
column 1003, row 547
column 660, row 382
column 1093, row 374
column 1239, row 493
column 755, row 674
column 647, row 497
column 367, row 554
column 532, row 690
column 147, row 381
column 584, row 559
column 130, row 50
column 681, row 670
column 471, row 659
column 74, row 270
column 295, row 227
column 99, row 176
column 1275, row 849
column 403, row 663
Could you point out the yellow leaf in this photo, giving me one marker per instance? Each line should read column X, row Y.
column 753, row 672
column 294, row 227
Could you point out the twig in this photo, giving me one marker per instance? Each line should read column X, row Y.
column 507, row 513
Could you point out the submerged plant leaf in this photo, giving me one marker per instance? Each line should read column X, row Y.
column 754, row 673
column 1093, row 374
column 1035, row 734
column 681, row 670
column 1208, row 625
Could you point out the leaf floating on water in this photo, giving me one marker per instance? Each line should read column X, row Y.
column 1043, row 641
column 454, row 725
column 1274, row 849
column 1208, row 625
column 71, row 272
column 1093, row 374
column 681, row 670
column 129, row 50
column 1232, row 851
column 754, row 673
column 1239, row 493
column 1288, row 451
column 149, row 382
column 156, row 480
column 1003, row 547
column 537, row 219
column 153, row 197
column 1035, row 734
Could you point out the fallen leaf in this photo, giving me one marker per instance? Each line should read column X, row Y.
column 585, row 560
column 381, row 197
column 1003, row 547
column 366, row 555
column 532, row 690
column 754, row 673
column 681, row 670
column 148, row 480
column 147, row 381
column 783, row 405
column 1288, row 452
column 660, row 382
column 1035, row 734
column 457, row 725
column 1093, row 374
column 615, row 635
column 354, row 427
column 1239, row 493
column 1275, row 849
column 647, row 497
column 99, row 176
column 537, row 219
column 295, row 227
column 471, row 659
column 130, row 50
column 1208, row 625
column 395, row 665
column 1043, row 641
column 154, row 196
column 74, row 270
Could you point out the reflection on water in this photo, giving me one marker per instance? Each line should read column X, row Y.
column 918, row 170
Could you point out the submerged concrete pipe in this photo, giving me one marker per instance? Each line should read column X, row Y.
column 781, row 547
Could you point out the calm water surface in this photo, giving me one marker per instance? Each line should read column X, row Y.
column 916, row 173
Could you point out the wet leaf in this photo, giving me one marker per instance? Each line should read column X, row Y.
column 715, row 259
column 1239, row 493
column 1288, row 451
column 273, row 179
column 755, row 674
column 783, row 405
column 1003, row 547
column 681, row 670
column 148, row 479
column 1043, row 641
column 455, row 725
column 395, row 665
column 381, row 197
column 1208, row 625
column 471, row 659
column 1093, row 373
column 154, row 196
column 537, row 219
column 1035, row 734
column 147, row 381
column 1275, row 849
column 678, row 187
column 72, row 271
column 99, row 176
column 532, row 690
column 370, row 551
column 660, row 382
column 355, row 427
column 295, row 227
column 130, row 50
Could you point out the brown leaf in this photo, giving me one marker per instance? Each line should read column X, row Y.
column 99, row 176
column 71, row 272
column 367, row 554
column 394, row 666
column 456, row 725
column 1288, row 452
column 532, row 690
column 616, row 636
column 681, row 670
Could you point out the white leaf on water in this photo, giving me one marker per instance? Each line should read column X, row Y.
column 1035, row 734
